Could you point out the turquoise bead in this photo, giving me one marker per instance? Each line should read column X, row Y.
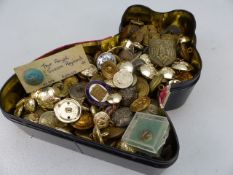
column 33, row 76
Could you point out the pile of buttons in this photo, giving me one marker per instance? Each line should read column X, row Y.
column 114, row 101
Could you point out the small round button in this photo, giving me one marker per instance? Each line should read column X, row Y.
column 33, row 76
column 68, row 110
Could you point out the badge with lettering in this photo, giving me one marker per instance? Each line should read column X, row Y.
column 162, row 49
column 46, row 71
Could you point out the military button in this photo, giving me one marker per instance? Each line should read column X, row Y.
column 33, row 117
column 89, row 72
column 127, row 65
column 128, row 95
column 106, row 56
column 84, row 122
column 46, row 98
column 140, row 104
column 167, row 72
column 77, row 92
column 148, row 70
column 108, row 69
column 30, row 104
column 49, row 119
column 68, row 110
column 125, row 147
column 70, row 81
column 142, row 87
column 123, row 79
column 101, row 120
column 60, row 89
column 115, row 132
column 33, row 76
column 182, row 65
column 122, row 117
column 114, row 98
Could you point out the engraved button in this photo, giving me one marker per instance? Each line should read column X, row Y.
column 122, row 117
column 106, row 56
column 90, row 71
column 123, row 79
column 68, row 110
column 33, row 76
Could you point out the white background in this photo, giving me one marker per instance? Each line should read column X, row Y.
column 204, row 124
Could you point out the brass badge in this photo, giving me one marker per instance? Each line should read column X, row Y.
column 162, row 49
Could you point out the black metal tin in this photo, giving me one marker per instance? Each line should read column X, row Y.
column 13, row 91
column 178, row 92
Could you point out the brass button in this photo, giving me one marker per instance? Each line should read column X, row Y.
column 68, row 110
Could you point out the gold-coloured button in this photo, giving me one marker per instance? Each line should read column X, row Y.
column 89, row 72
column 142, row 87
column 115, row 132
column 140, row 104
column 60, row 89
column 108, row 69
column 33, row 117
column 157, row 79
column 68, row 110
column 70, row 81
column 125, row 147
column 84, row 122
column 167, row 72
column 182, row 66
column 46, row 98
column 49, row 119
column 101, row 120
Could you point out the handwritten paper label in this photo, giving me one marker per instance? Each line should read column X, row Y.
column 46, row 71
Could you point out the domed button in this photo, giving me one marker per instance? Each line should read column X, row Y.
column 33, row 76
